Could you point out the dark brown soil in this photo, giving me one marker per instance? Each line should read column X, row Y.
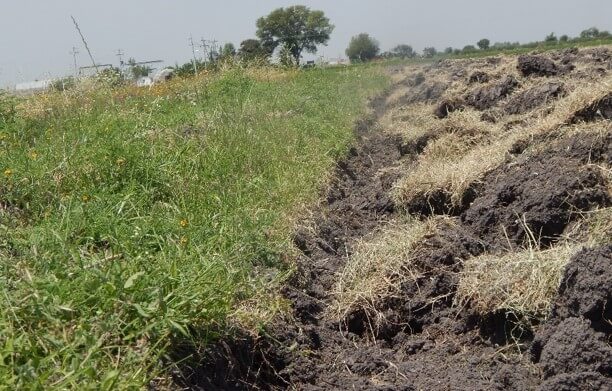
column 573, row 347
column 488, row 96
column 423, row 341
column 539, row 196
column 447, row 106
column 478, row 77
column 534, row 97
column 602, row 109
column 539, row 66
column 424, row 92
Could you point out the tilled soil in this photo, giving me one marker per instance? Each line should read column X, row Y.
column 425, row 342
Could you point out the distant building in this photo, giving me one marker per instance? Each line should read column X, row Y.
column 33, row 86
column 338, row 61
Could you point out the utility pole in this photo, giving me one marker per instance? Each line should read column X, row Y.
column 214, row 48
column 195, row 66
column 204, row 47
column 74, row 53
column 120, row 55
column 76, row 25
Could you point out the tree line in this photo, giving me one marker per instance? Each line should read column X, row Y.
column 363, row 47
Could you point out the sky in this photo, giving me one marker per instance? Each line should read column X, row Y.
column 36, row 36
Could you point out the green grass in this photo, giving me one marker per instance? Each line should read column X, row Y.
column 130, row 218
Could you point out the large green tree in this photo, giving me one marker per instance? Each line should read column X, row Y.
column 251, row 49
column 404, row 51
column 484, row 44
column 296, row 29
column 429, row 52
column 362, row 47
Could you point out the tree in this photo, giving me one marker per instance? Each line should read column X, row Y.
column 551, row 38
column 138, row 70
column 252, row 49
column 187, row 69
column 228, row 51
column 429, row 52
column 592, row 32
column 362, row 47
column 448, row 50
column 296, row 28
column 483, row 44
column 563, row 38
column 404, row 51
column 469, row 49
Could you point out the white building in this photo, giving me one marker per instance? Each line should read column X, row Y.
column 33, row 86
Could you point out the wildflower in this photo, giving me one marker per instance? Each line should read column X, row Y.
column 184, row 240
column 85, row 198
column 184, row 223
column 34, row 155
column 8, row 172
column 120, row 162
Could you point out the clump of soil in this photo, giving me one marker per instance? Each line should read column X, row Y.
column 478, row 77
column 534, row 97
column 538, row 66
column 593, row 381
column 598, row 55
column 447, row 106
column 586, row 289
column 601, row 109
column 573, row 347
column 415, row 146
column 424, row 92
column 538, row 196
column 488, row 96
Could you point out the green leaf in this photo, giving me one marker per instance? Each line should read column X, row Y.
column 180, row 328
column 130, row 281
column 109, row 380
column 141, row 311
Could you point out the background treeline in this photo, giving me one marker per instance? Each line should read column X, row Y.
column 363, row 47
column 589, row 36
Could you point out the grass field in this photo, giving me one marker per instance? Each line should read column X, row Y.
column 133, row 217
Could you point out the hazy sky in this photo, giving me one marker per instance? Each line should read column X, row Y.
column 36, row 36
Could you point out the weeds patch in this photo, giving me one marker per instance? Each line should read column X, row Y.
column 139, row 233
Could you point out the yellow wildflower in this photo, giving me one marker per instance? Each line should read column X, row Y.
column 8, row 172
column 184, row 223
column 85, row 198
column 184, row 240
